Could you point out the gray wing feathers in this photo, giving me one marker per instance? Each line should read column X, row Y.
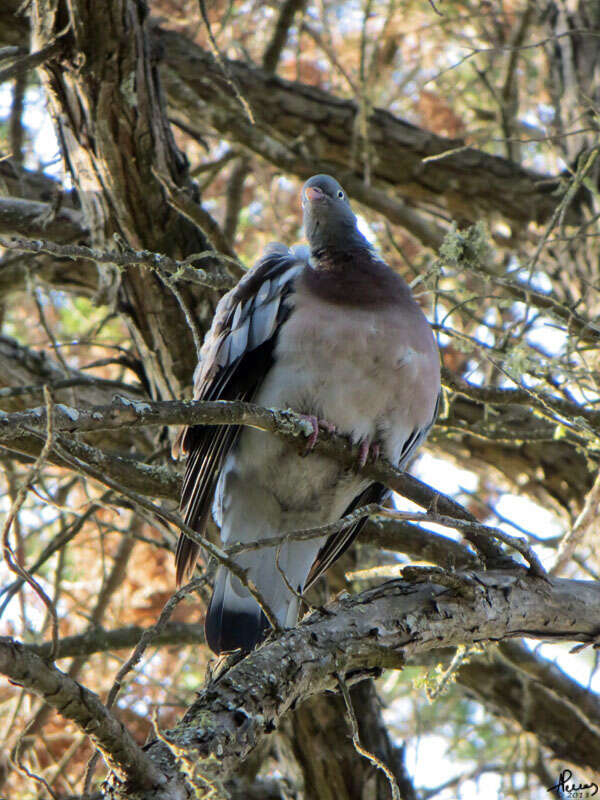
column 248, row 315
column 264, row 321
column 231, row 367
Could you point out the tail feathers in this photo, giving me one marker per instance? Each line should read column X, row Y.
column 234, row 620
column 185, row 559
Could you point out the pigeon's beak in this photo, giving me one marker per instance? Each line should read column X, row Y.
column 312, row 193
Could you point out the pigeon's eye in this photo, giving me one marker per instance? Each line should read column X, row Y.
column 341, row 194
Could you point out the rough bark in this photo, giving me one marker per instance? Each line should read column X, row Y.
column 104, row 88
column 518, row 684
column 116, row 139
column 306, row 130
column 36, row 219
column 321, row 720
column 468, row 182
column 166, row 347
column 83, row 707
column 379, row 629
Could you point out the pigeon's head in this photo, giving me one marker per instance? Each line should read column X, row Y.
column 328, row 218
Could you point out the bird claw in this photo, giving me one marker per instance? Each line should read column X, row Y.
column 367, row 448
column 329, row 427
column 317, row 424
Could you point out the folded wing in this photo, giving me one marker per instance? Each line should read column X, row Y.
column 236, row 355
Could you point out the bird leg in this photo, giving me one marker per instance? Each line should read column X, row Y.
column 367, row 448
column 317, row 424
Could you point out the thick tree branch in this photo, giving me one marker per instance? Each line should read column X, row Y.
column 30, row 61
column 540, row 697
column 278, row 40
column 100, row 640
column 75, row 702
column 520, row 684
column 416, row 163
column 417, row 542
column 115, row 177
column 28, row 218
column 19, row 182
column 294, row 119
column 379, row 629
column 127, row 413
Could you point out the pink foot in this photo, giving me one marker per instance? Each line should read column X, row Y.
column 367, row 448
column 329, row 427
column 317, row 424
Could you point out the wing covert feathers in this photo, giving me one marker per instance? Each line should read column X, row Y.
column 235, row 357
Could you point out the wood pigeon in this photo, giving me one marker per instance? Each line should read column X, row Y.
column 333, row 333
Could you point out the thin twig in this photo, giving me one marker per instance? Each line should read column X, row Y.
column 187, row 313
column 146, row 639
column 223, row 64
column 180, row 270
column 435, row 8
column 32, row 477
column 449, row 674
column 34, row 292
column 30, row 61
column 69, row 383
column 308, row 533
column 587, row 517
column 518, row 544
column 377, row 762
column 180, row 200
column 174, row 519
column 16, row 760
column 57, row 543
column 583, row 168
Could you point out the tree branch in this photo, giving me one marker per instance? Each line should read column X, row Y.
column 534, row 692
column 128, row 474
column 24, row 372
column 378, row 629
column 28, row 218
column 278, row 40
column 419, row 543
column 180, row 270
column 73, row 701
column 293, row 120
column 290, row 426
column 100, row 640
column 499, row 680
column 29, row 61
column 418, row 164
